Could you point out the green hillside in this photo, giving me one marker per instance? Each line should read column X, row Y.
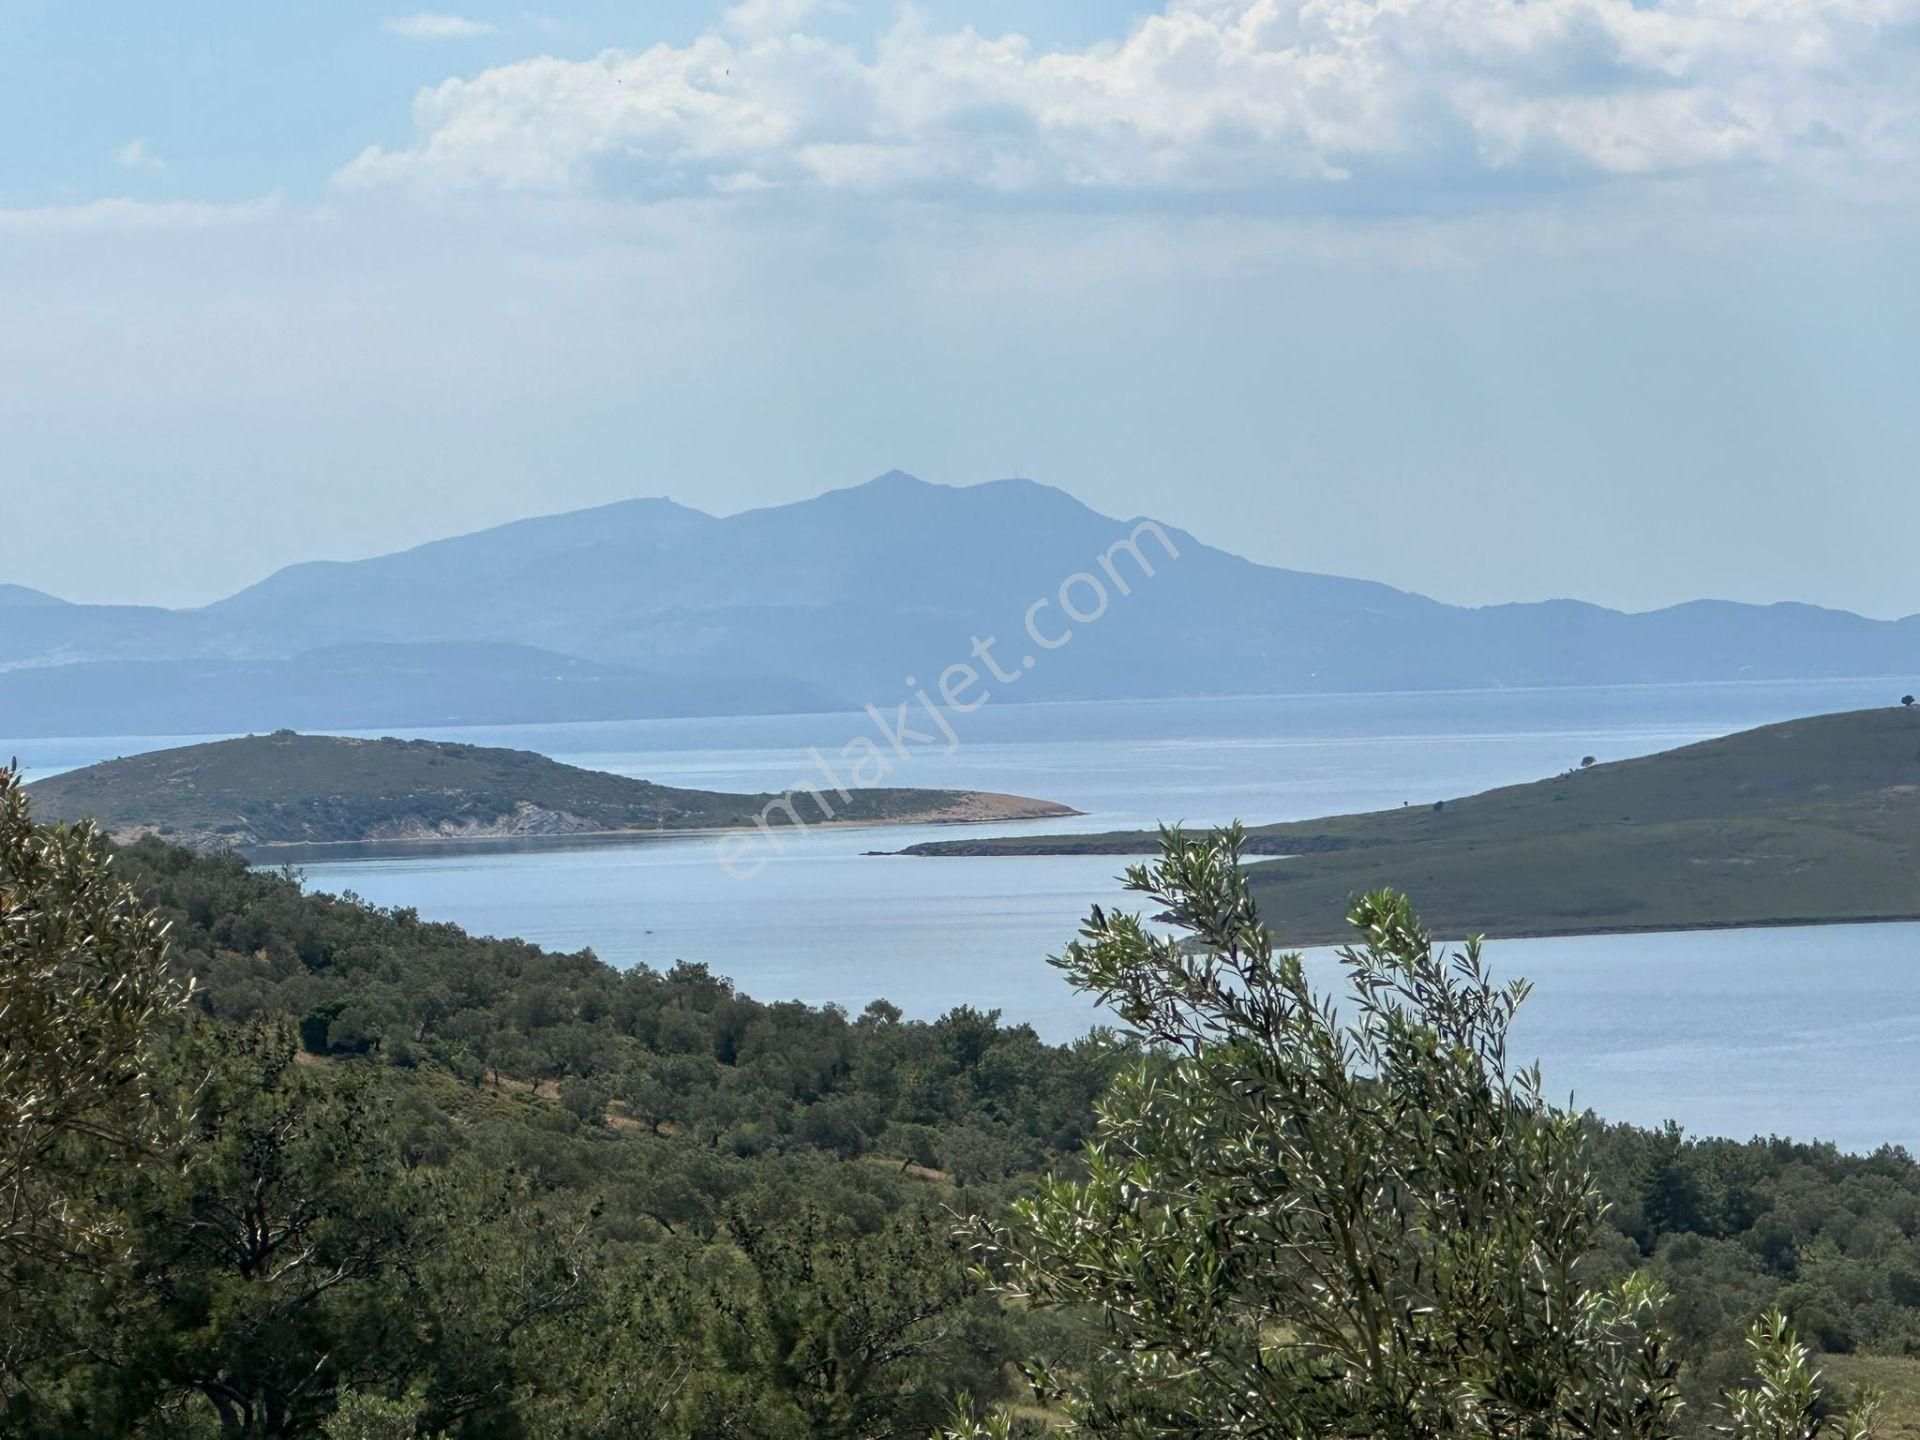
column 570, row 1200
column 289, row 789
column 1810, row 820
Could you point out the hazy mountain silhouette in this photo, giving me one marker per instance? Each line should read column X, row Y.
column 11, row 595
column 835, row 601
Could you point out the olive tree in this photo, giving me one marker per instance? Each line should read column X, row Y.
column 84, row 991
column 84, row 987
column 1303, row 1219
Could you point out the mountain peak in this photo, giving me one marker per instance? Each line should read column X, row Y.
column 906, row 487
column 898, row 480
column 846, row 593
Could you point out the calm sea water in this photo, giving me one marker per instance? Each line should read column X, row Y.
column 1809, row 1032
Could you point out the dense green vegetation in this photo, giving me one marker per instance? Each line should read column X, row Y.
column 84, row 985
column 1811, row 820
column 285, row 788
column 407, row 1182
column 1304, row 1222
column 469, row 1187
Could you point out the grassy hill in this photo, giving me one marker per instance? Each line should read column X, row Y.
column 1810, row 820
column 285, row 788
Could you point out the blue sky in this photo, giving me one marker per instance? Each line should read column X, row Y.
column 240, row 99
column 1490, row 300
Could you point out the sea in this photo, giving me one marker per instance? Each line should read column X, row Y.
column 1810, row 1032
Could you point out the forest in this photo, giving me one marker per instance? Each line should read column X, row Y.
column 286, row 1164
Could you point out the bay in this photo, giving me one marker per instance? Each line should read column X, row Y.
column 1807, row 1031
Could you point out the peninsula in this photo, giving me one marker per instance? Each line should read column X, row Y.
column 1809, row 821
column 289, row 789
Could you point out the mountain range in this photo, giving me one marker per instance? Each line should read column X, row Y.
column 647, row 607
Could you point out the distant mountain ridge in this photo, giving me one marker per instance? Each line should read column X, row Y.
column 11, row 595
column 834, row 602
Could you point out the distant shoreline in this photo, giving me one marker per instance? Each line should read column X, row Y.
column 1677, row 927
column 286, row 790
column 615, row 837
column 443, row 725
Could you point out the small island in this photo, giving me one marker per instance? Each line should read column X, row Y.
column 285, row 789
column 1805, row 822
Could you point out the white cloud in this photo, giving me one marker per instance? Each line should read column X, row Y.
column 119, row 214
column 428, row 26
column 755, row 19
column 134, row 155
column 1309, row 104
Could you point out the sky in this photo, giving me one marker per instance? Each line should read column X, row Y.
column 1611, row 299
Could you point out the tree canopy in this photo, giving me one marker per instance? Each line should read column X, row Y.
column 84, row 990
column 1312, row 1216
column 337, row 1171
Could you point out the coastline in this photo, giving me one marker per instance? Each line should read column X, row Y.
column 403, row 844
column 1288, row 941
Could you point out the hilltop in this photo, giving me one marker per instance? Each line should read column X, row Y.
column 650, row 607
column 290, row 789
column 1814, row 820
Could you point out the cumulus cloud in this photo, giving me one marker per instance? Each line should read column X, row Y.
column 426, row 26
column 134, row 155
column 1326, row 103
column 755, row 19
